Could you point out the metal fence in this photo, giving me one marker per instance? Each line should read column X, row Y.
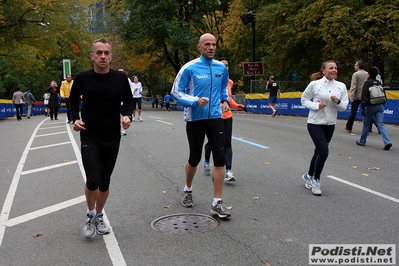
column 285, row 86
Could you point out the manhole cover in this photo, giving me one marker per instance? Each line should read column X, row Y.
column 185, row 223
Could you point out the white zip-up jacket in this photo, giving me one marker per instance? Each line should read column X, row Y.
column 321, row 91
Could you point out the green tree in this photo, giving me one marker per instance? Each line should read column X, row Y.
column 36, row 34
column 299, row 35
column 167, row 30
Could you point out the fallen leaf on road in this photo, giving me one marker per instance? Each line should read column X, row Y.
column 7, row 171
column 256, row 198
column 229, row 207
column 349, row 158
column 36, row 235
column 354, row 166
column 365, row 174
column 166, row 207
column 65, row 161
column 266, row 163
column 374, row 168
column 164, row 191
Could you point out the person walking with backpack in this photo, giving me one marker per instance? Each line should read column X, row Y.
column 29, row 100
column 370, row 110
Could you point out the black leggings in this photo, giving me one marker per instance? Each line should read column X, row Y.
column 99, row 160
column 228, row 151
column 321, row 136
column 214, row 130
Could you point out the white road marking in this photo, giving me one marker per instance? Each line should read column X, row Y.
column 155, row 117
column 164, row 122
column 50, row 134
column 251, row 143
column 364, row 189
column 43, row 128
column 44, row 211
column 47, row 167
column 49, row 146
column 111, row 243
column 5, row 212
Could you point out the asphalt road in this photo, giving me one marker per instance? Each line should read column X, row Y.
column 274, row 218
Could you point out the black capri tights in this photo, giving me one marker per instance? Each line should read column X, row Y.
column 99, row 161
column 321, row 136
column 214, row 130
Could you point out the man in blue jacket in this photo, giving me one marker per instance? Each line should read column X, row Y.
column 201, row 87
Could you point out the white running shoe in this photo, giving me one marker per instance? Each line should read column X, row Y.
column 229, row 177
column 102, row 227
column 207, row 168
column 316, row 187
column 308, row 180
column 89, row 228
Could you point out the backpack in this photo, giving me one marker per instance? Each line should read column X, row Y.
column 377, row 94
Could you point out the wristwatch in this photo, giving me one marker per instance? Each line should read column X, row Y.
column 339, row 101
column 130, row 117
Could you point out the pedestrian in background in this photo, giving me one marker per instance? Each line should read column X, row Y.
column 200, row 86
column 99, row 129
column 274, row 94
column 123, row 131
column 137, row 90
column 166, row 98
column 18, row 101
column 373, row 110
column 53, row 100
column 65, row 91
column 29, row 100
column 324, row 97
column 355, row 95
column 228, row 131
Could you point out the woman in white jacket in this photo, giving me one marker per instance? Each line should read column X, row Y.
column 324, row 97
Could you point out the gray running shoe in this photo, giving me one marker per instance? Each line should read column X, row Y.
column 229, row 177
column 102, row 227
column 220, row 210
column 308, row 180
column 207, row 168
column 188, row 199
column 89, row 229
column 316, row 187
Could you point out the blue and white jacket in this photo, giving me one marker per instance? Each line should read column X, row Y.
column 198, row 78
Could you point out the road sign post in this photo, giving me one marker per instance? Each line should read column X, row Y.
column 253, row 69
column 66, row 66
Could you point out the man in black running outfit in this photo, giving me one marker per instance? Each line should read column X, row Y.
column 103, row 89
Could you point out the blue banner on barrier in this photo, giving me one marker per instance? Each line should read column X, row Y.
column 293, row 106
column 8, row 110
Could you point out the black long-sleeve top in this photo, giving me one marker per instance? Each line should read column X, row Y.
column 102, row 96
